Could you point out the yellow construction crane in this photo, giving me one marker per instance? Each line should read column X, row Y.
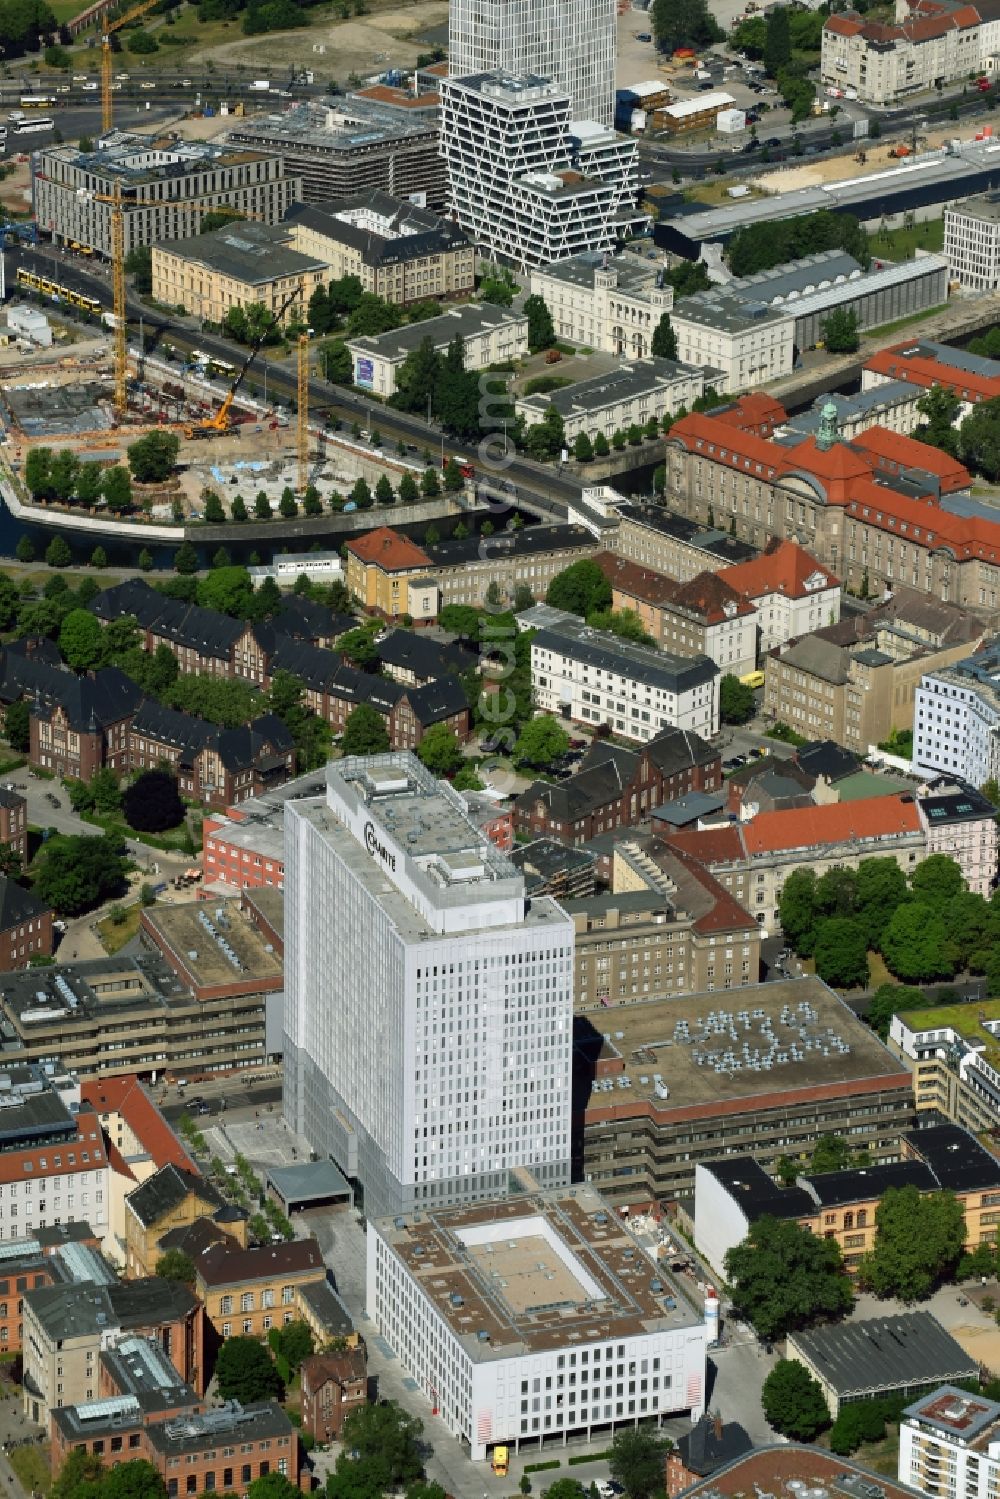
column 118, row 293
column 302, row 432
column 219, row 423
column 106, row 54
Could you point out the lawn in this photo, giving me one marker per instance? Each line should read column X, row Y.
column 901, row 244
column 903, row 322
column 114, row 934
column 31, row 1464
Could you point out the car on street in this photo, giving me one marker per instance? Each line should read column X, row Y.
column 773, row 141
column 147, row 85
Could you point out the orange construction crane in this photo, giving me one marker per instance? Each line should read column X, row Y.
column 218, row 424
column 106, row 54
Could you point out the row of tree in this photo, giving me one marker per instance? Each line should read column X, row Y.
column 926, row 928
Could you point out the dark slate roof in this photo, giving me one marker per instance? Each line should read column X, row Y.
column 679, row 749
column 524, row 543
column 573, row 639
column 192, row 1238
column 306, row 620
column 183, row 731
column 412, row 651
column 951, row 802
column 11, row 798
column 134, row 597
column 166, row 1189
column 17, row 904
column 437, row 700
column 243, row 747
column 90, row 703
column 831, row 1189
column 36, row 648
column 884, row 1353
column 316, row 667
column 414, row 233
column 758, row 1194
column 204, row 630
column 957, row 1159
column 824, row 757
column 711, row 1443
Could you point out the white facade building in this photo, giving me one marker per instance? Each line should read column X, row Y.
column 949, row 1445
column 489, row 335
column 285, row 568
column 618, row 399
column 526, row 184
column 428, row 1003
column 610, row 303
column 749, row 349
column 972, row 241
column 53, row 1164
column 534, row 1317
column 594, row 677
column 571, row 42
column 956, row 720
column 792, row 592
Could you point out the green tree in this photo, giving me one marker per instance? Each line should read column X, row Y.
column 361, row 495
column 386, row 1443
column 439, row 750
column 358, row 646
column 832, row 1153
column 287, row 506
column 244, row 1371
column 238, row 509
column 461, row 620
column 408, row 491
column 295, row 1342
column 879, row 887
column 261, row 506
column 677, row 23
column 57, row 553
column 153, row 458
column 209, row 222
column 737, row 703
column 273, row 1485
column 793, row 1401
column 152, row 803
column 136, row 1479
column 636, row 1461
column 916, row 945
column 228, row 590
column 841, row 953
column 384, row 493
column 116, row 487
column 429, row 485
column 186, row 559
column 174, row 1264
column 840, row 329
column 580, row 588
column 417, row 377
column 365, row 732
column 17, row 726
column 77, row 873
column 80, row 639
column 540, row 742
column 939, row 408
column 99, row 558
column 664, row 341
column 498, row 287
column 583, row 448
column 777, row 42
column 454, row 479
column 541, row 329
column 937, row 880
column 337, row 364
column 918, row 1242
column 797, row 910
column 79, row 1476
column 887, row 1001
column 25, row 549
column 783, row 1277
column 979, row 439
column 214, row 513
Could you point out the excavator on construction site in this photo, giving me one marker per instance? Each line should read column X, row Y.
column 218, row 425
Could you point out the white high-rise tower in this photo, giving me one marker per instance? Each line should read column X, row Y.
column 571, row 42
column 428, row 1002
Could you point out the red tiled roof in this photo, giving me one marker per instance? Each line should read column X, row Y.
column 925, row 370
column 815, row 827
column 26, row 1165
column 126, row 1096
column 924, row 522
column 721, row 845
column 755, row 412
column 223, row 1265
column 726, row 914
column 783, row 567
column 892, row 452
column 705, row 595
column 844, row 25
column 388, row 550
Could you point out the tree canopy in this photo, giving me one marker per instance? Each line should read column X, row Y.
column 580, row 589
column 174, row 1264
column 439, row 750
column 152, row 458
column 758, row 247
column 540, row 742
column 78, row 872
column 365, row 732
column 383, row 1448
column 918, row 1242
column 636, row 1461
column 679, row 23
column 737, row 703
column 152, row 803
column 245, row 1372
column 784, row 1277
column 793, row 1401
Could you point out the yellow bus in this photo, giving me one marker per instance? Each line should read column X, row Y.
column 753, row 679
column 500, row 1461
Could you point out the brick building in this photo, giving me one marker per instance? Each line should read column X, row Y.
column 14, row 823
column 80, row 724
column 617, row 788
column 704, row 616
column 333, row 1385
column 25, row 926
